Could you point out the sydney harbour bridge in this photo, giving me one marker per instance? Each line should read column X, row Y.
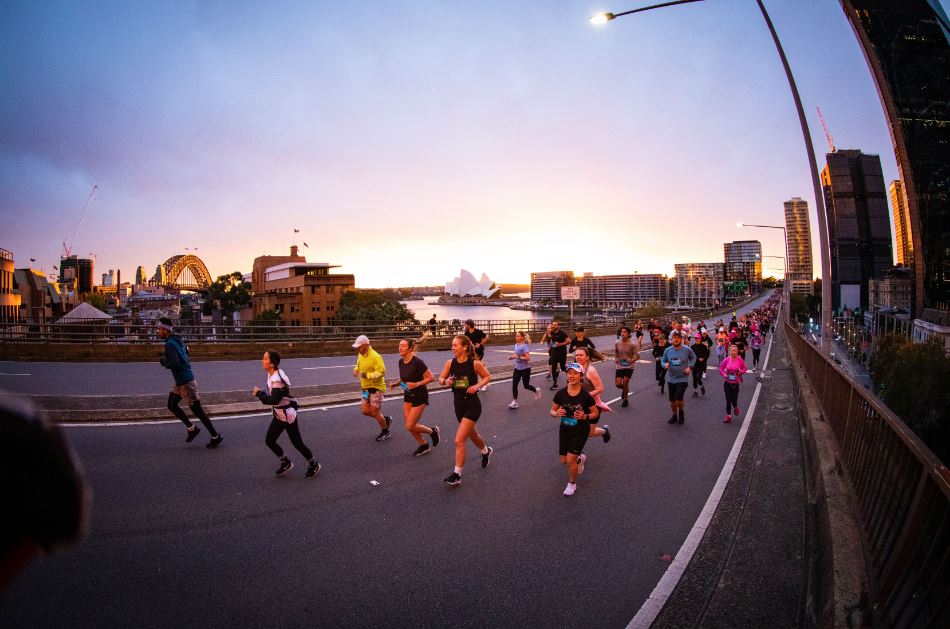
column 182, row 272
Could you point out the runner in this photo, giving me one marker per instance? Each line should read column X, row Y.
column 546, row 339
column 557, row 352
column 185, row 388
column 371, row 371
column 580, row 340
column 575, row 408
column 478, row 339
column 699, row 370
column 638, row 330
column 626, row 353
column 741, row 342
column 284, row 416
column 659, row 346
column 414, row 375
column 522, row 373
column 466, row 375
column 731, row 370
column 592, row 383
column 678, row 361
column 756, row 345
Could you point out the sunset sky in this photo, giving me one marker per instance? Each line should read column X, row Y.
column 407, row 140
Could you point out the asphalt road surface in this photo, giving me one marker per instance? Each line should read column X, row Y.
column 185, row 536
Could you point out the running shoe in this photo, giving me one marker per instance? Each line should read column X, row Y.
column 192, row 433
column 383, row 435
column 581, row 460
column 606, row 433
column 514, row 404
column 570, row 489
column 285, row 466
column 453, row 479
column 727, row 419
column 672, row 419
column 695, row 394
column 751, row 371
column 703, row 388
column 435, row 436
column 554, row 387
column 735, row 411
column 547, row 376
column 537, row 393
column 215, row 441
column 312, row 469
column 625, row 403
column 682, row 417
column 486, row 458
column 425, row 448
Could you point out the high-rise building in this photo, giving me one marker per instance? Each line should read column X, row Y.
column 906, row 46
column 9, row 298
column 699, row 284
column 626, row 291
column 141, row 279
column 108, row 279
column 798, row 271
column 546, row 285
column 79, row 269
column 903, row 243
column 743, row 266
column 859, row 229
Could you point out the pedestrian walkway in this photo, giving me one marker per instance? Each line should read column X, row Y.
column 750, row 568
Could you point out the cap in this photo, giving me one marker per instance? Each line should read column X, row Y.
column 676, row 333
column 575, row 366
column 362, row 339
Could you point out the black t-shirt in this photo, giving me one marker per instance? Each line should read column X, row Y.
column 558, row 337
column 585, row 342
column 476, row 336
column 701, row 350
column 570, row 403
column 658, row 350
column 464, row 376
column 413, row 371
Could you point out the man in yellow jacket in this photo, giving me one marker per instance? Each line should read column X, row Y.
column 371, row 371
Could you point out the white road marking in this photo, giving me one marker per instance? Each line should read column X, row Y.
column 661, row 593
column 330, row 367
column 14, row 374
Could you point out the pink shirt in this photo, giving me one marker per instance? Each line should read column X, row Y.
column 731, row 369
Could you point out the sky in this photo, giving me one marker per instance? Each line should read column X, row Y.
column 407, row 140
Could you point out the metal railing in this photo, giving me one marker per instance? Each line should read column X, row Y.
column 903, row 495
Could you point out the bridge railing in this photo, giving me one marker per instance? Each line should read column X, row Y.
column 902, row 491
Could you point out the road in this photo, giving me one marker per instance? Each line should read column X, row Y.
column 185, row 536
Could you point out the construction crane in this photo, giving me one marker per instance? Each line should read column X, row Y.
column 831, row 140
column 67, row 250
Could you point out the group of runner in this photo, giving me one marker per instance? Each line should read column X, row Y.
column 578, row 406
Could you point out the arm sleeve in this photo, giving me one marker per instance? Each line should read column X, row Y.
column 274, row 398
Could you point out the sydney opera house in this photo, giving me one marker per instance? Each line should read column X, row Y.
column 466, row 288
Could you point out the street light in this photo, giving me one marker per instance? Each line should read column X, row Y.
column 603, row 18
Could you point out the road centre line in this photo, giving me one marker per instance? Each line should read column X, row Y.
column 651, row 608
column 14, row 374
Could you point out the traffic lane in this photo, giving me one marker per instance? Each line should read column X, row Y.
column 231, row 375
column 503, row 548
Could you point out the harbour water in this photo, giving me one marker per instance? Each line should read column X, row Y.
column 449, row 312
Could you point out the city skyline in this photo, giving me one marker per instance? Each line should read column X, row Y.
column 377, row 130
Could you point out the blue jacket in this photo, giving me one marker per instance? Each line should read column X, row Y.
column 176, row 359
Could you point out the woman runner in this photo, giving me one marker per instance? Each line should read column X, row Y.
column 659, row 346
column 575, row 408
column 466, row 375
column 414, row 375
column 284, row 415
column 522, row 373
column 731, row 370
column 592, row 383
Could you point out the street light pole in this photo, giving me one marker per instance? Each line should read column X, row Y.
column 603, row 18
column 786, row 292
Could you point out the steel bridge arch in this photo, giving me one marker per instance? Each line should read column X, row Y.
column 176, row 265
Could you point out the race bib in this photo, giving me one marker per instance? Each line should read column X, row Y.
column 676, row 362
column 568, row 421
column 732, row 377
column 460, row 383
column 365, row 394
column 624, row 362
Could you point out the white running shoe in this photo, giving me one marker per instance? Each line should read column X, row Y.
column 581, row 460
column 514, row 404
column 537, row 394
column 570, row 489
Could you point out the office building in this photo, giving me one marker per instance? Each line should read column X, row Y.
column 9, row 298
column 699, row 284
column 303, row 293
column 546, row 285
column 627, row 291
column 743, row 266
column 859, row 230
column 80, row 270
column 893, row 291
column 798, row 272
column 141, row 279
column 906, row 46
column 903, row 242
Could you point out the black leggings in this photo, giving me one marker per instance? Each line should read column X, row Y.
column 698, row 370
column 519, row 376
column 755, row 357
column 732, row 395
column 293, row 430
column 660, row 373
column 173, row 405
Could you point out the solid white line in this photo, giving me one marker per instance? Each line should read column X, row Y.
column 330, row 367
column 664, row 588
column 14, row 374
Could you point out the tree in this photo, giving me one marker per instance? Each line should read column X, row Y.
column 228, row 293
column 373, row 305
column 771, row 282
column 267, row 324
column 653, row 310
column 96, row 300
column 798, row 305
